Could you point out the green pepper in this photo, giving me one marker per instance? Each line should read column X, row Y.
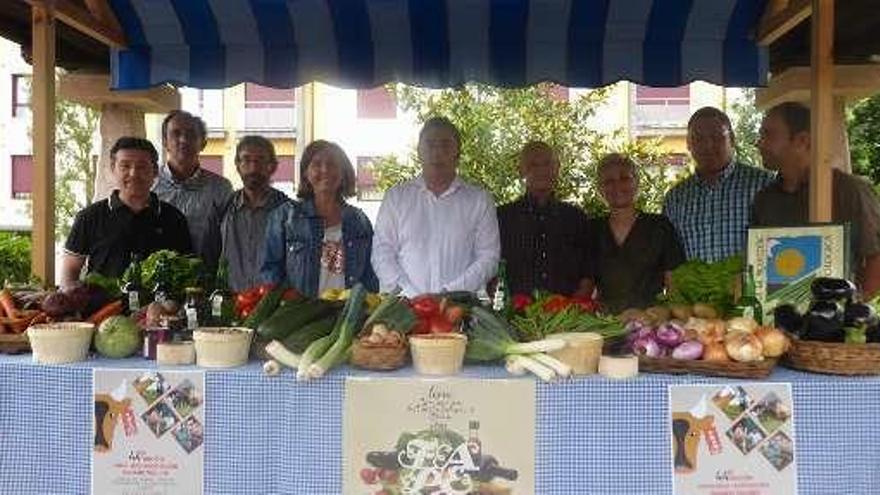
column 855, row 335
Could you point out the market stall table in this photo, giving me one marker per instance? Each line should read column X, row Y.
column 273, row 435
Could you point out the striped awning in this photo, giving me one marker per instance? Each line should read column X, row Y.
column 438, row 43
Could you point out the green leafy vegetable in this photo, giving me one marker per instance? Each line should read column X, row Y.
column 182, row 270
column 110, row 285
column 697, row 281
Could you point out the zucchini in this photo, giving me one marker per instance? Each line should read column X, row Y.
column 290, row 318
column 267, row 305
column 298, row 340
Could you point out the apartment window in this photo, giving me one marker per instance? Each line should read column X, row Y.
column 22, row 175
column 376, row 103
column 21, row 94
column 284, row 172
column 268, row 109
column 367, row 189
column 646, row 95
column 206, row 103
column 213, row 163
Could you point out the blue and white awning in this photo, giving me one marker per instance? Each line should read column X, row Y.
column 438, row 43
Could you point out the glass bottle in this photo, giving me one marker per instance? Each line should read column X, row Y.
column 221, row 301
column 474, row 445
column 501, row 299
column 133, row 290
column 748, row 305
column 161, row 289
column 193, row 307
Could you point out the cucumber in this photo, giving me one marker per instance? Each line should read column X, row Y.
column 290, row 318
column 267, row 305
column 299, row 339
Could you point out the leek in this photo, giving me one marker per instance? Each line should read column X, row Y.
column 551, row 362
column 345, row 330
column 541, row 371
column 489, row 339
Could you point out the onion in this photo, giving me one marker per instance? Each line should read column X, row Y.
column 741, row 323
column 670, row 334
column 714, row 351
column 691, row 349
column 743, row 347
column 774, row 342
column 646, row 346
column 640, row 331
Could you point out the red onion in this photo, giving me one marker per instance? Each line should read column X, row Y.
column 691, row 349
column 670, row 334
column 646, row 346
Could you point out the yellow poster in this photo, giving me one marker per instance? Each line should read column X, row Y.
column 735, row 439
column 439, row 436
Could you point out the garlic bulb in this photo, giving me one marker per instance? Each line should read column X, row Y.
column 741, row 323
column 774, row 341
column 743, row 346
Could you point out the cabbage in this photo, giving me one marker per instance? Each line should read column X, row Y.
column 118, row 337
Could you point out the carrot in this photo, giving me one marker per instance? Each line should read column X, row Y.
column 8, row 303
column 106, row 311
column 40, row 317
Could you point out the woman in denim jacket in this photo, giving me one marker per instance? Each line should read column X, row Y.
column 320, row 242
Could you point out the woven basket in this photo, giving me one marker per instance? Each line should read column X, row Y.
column 14, row 343
column 441, row 354
column 833, row 358
column 733, row 369
column 62, row 342
column 382, row 358
column 222, row 347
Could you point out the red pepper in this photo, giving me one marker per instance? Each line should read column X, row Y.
column 425, row 306
column 586, row 304
column 555, row 304
column 291, row 295
column 520, row 301
column 439, row 324
column 422, row 327
column 264, row 289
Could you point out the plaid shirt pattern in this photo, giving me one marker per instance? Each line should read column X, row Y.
column 713, row 219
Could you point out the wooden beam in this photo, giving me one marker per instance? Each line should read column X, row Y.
column 84, row 21
column 851, row 82
column 43, row 185
column 94, row 90
column 780, row 17
column 822, row 110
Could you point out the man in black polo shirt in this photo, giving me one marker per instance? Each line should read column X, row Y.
column 132, row 220
column 543, row 240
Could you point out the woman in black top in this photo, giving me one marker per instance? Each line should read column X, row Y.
column 633, row 252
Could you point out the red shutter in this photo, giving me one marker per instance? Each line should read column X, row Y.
column 284, row 172
column 376, row 103
column 256, row 96
column 214, row 163
column 646, row 95
column 22, row 174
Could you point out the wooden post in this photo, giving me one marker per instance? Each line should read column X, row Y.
column 43, row 99
column 822, row 110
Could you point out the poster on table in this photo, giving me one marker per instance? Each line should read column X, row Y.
column 451, row 436
column 148, row 432
column 785, row 261
column 735, row 439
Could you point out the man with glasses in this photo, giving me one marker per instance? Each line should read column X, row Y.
column 200, row 194
column 243, row 226
column 710, row 209
column 132, row 220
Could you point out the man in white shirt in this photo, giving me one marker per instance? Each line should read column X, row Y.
column 436, row 232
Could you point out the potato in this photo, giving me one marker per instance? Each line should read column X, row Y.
column 660, row 314
column 632, row 314
column 705, row 311
column 681, row 311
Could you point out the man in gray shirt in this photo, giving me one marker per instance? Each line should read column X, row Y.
column 243, row 226
column 198, row 193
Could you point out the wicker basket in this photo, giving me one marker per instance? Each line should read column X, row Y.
column 440, row 354
column 733, row 369
column 222, row 347
column 62, row 342
column 14, row 343
column 382, row 358
column 833, row 358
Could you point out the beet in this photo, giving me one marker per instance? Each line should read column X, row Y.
column 57, row 304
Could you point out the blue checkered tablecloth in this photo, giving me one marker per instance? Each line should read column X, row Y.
column 274, row 436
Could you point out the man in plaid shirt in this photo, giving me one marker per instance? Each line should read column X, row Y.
column 710, row 209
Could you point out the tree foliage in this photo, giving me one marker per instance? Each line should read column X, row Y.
column 746, row 120
column 495, row 123
column 864, row 138
column 75, row 162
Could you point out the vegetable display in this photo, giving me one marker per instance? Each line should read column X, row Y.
column 547, row 314
column 181, row 271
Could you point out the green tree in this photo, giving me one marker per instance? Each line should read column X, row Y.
column 746, row 120
column 864, row 137
column 75, row 161
column 495, row 123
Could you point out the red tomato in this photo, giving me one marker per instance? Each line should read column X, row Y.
column 585, row 304
column 439, row 324
column 520, row 301
column 454, row 314
column 247, row 298
column 264, row 289
column 421, row 327
column 369, row 476
column 425, row 306
column 291, row 295
column 555, row 304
